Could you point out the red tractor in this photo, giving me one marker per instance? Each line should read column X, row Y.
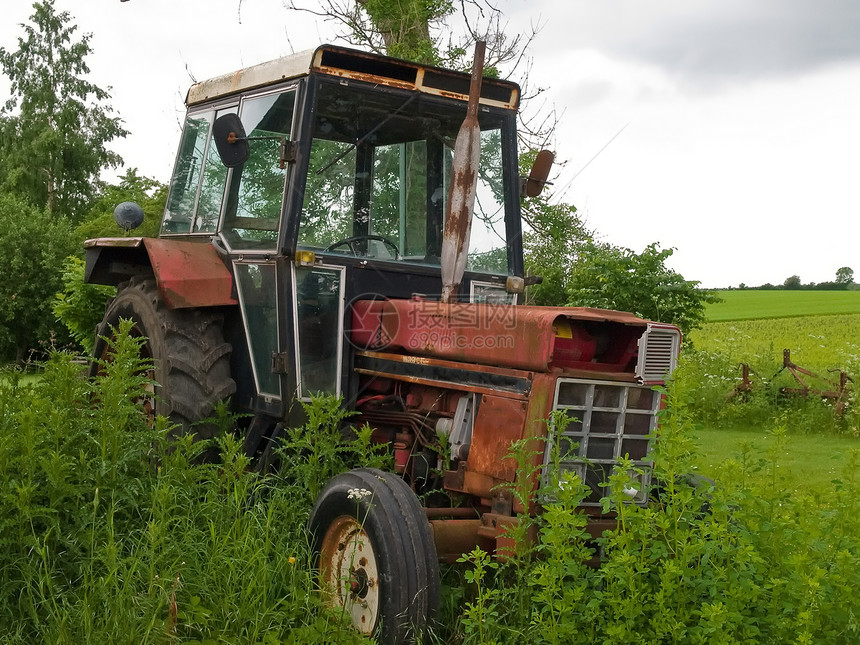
column 304, row 245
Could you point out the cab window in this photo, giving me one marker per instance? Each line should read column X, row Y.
column 197, row 186
column 378, row 178
column 256, row 189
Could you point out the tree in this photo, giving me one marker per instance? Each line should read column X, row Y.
column 610, row 277
column 792, row 282
column 552, row 243
column 55, row 128
column 845, row 275
column 31, row 262
column 420, row 30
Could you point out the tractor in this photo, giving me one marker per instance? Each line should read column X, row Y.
column 325, row 232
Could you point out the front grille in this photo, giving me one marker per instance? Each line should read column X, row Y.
column 608, row 420
column 658, row 353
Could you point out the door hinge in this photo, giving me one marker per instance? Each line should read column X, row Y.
column 280, row 363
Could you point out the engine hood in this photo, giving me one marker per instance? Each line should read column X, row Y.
column 522, row 337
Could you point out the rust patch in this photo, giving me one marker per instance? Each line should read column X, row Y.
column 499, row 422
column 453, row 538
column 518, row 337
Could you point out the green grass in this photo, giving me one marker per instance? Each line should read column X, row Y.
column 816, row 342
column 809, row 462
column 751, row 304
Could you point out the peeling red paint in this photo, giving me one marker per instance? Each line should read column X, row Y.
column 190, row 274
column 519, row 337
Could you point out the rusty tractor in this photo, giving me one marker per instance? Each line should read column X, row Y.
column 349, row 224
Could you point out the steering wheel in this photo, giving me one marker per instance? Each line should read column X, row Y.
column 349, row 242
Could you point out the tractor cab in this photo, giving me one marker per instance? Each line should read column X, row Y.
column 335, row 191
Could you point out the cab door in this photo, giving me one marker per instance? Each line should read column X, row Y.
column 250, row 230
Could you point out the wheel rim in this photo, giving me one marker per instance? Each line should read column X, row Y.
column 349, row 572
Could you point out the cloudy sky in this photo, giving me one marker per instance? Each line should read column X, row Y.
column 739, row 120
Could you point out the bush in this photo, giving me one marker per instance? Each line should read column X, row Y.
column 609, row 277
column 747, row 561
column 31, row 264
column 109, row 533
column 81, row 306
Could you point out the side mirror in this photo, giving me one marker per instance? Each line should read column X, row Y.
column 230, row 140
column 540, row 171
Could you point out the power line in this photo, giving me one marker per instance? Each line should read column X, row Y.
column 561, row 192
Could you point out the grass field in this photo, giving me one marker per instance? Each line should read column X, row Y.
column 754, row 327
column 818, row 342
column 810, row 462
column 27, row 378
column 749, row 304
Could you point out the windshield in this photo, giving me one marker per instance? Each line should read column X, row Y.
column 378, row 175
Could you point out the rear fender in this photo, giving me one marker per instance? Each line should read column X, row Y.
column 188, row 274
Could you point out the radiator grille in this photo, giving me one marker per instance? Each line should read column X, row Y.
column 658, row 353
column 608, row 421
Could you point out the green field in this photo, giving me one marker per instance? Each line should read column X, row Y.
column 810, row 462
column 752, row 327
column 751, row 304
column 821, row 328
column 819, row 342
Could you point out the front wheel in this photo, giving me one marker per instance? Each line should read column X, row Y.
column 376, row 556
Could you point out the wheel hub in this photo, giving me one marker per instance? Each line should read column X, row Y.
column 350, row 572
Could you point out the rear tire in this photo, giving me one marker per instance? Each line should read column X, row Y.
column 191, row 360
column 376, row 555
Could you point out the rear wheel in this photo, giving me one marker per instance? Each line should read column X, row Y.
column 377, row 559
column 191, row 361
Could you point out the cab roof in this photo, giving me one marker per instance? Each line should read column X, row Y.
column 354, row 64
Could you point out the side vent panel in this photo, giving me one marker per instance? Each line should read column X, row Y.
column 659, row 347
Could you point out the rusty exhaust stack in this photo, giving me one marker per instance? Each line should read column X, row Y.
column 461, row 197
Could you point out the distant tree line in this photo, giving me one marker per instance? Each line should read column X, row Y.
column 844, row 282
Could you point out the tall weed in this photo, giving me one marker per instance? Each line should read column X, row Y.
column 745, row 560
column 108, row 533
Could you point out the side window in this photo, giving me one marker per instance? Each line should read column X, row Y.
column 257, row 291
column 197, row 185
column 256, row 190
column 319, row 326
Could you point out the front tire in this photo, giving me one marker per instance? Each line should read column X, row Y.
column 376, row 555
column 191, row 361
